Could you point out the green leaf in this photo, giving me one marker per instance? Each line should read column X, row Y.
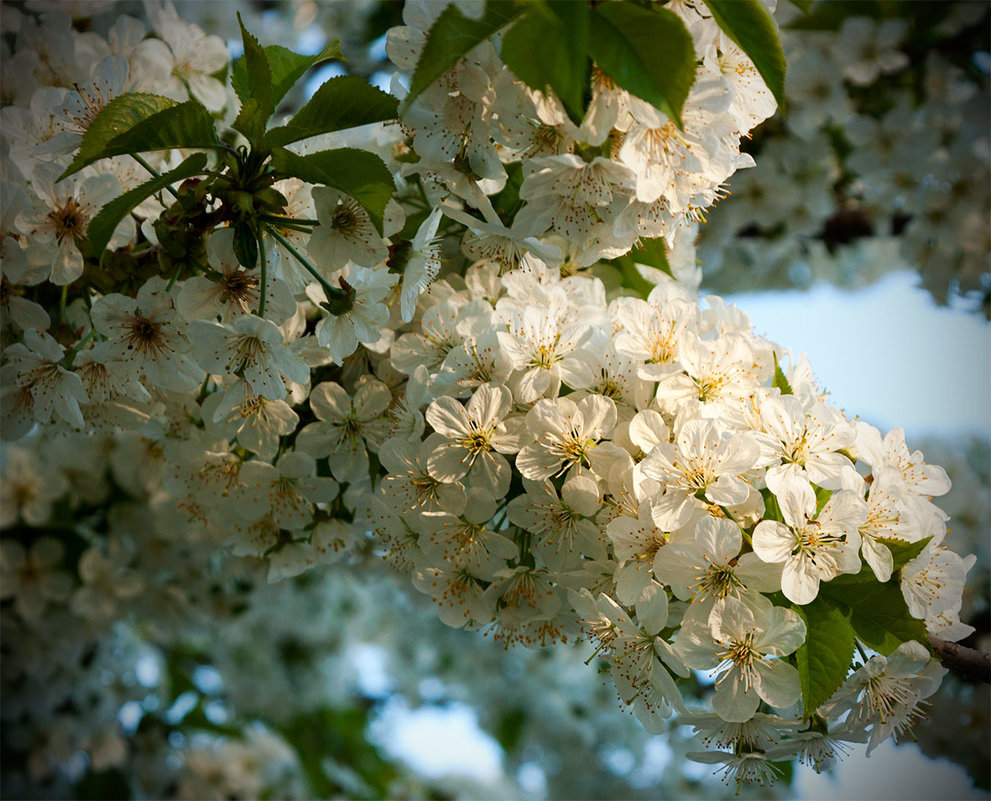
column 256, row 91
column 285, row 66
column 119, row 115
column 785, row 768
column 878, row 612
column 548, row 47
column 245, row 245
column 140, row 123
column 651, row 253
column 251, row 120
column 360, row 174
column 802, row 5
column 751, row 26
column 102, row 227
column 822, row 497
column 508, row 202
column 780, row 379
column 632, row 277
column 827, row 653
column 339, row 103
column 903, row 552
column 647, row 51
column 453, row 36
column 771, row 509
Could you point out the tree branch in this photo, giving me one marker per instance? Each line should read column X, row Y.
column 971, row 664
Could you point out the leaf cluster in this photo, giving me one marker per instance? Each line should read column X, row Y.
column 242, row 178
column 551, row 45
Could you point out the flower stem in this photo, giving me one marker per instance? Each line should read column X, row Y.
column 70, row 357
column 174, row 278
column 743, row 531
column 340, row 296
column 155, row 173
column 263, row 263
column 301, row 259
column 276, row 219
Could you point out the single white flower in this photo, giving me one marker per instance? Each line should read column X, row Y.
column 147, row 338
column 346, row 427
column 252, row 349
column 740, row 644
column 363, row 321
column 813, row 548
column 475, row 438
column 286, row 492
column 569, row 438
column 703, row 466
column 62, row 213
column 54, row 389
column 885, row 695
column 345, row 232
column 709, row 567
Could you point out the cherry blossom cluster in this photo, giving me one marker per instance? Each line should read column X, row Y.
column 548, row 456
column 631, row 469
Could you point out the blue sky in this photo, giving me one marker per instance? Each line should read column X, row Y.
column 887, row 352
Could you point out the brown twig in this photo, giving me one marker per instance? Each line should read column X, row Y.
column 971, row 664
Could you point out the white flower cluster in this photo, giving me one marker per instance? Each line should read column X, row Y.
column 651, row 448
column 546, row 457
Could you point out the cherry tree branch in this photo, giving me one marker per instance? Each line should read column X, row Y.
column 970, row 663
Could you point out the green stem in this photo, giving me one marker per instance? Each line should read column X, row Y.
column 263, row 262
column 70, row 357
column 861, row 651
column 743, row 531
column 330, row 290
column 174, row 278
column 155, row 173
column 286, row 224
column 61, row 303
column 275, row 219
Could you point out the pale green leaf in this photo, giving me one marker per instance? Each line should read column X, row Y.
column 286, row 67
column 119, row 115
column 358, row 173
column 827, row 653
column 903, row 552
column 339, row 103
column 102, row 227
column 547, row 48
column 878, row 612
column 751, row 26
column 646, row 51
column 780, row 379
column 141, row 125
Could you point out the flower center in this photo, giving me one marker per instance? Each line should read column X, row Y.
column 68, row 220
column 144, row 335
